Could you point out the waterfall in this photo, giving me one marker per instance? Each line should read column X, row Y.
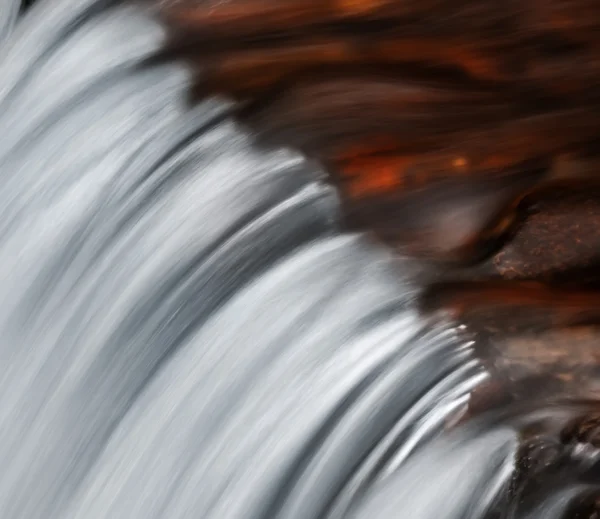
column 185, row 330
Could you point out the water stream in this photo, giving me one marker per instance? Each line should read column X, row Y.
column 185, row 332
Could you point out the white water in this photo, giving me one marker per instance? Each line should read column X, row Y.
column 184, row 333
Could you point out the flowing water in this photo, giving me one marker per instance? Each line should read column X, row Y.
column 186, row 333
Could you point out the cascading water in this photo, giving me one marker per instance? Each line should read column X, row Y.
column 185, row 332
